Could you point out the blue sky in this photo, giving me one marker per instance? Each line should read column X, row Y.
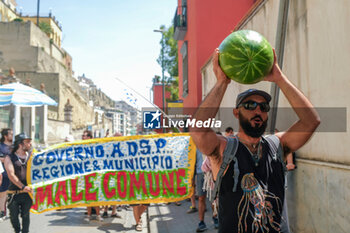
column 111, row 38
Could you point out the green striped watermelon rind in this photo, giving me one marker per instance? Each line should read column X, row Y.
column 246, row 56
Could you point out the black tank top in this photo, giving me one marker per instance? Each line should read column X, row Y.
column 20, row 167
column 257, row 203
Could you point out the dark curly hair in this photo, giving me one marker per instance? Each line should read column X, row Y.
column 4, row 132
column 88, row 133
column 15, row 147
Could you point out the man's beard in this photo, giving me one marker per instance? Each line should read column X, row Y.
column 254, row 132
column 27, row 149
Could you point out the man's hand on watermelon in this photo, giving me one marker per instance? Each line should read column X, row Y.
column 276, row 74
column 301, row 131
column 206, row 140
column 220, row 75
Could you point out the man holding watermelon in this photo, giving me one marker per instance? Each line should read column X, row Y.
column 251, row 192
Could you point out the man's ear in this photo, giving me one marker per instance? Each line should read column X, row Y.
column 236, row 112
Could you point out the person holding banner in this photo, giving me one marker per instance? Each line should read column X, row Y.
column 251, row 193
column 19, row 201
column 5, row 149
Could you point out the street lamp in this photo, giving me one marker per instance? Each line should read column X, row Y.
column 163, row 82
column 37, row 13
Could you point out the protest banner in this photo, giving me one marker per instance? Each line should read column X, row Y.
column 121, row 170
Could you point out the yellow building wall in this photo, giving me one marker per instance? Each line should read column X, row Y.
column 56, row 34
column 6, row 13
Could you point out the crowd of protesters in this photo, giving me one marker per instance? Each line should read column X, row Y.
column 14, row 190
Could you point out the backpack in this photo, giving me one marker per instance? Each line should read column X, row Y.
column 230, row 154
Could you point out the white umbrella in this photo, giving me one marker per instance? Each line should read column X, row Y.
column 22, row 95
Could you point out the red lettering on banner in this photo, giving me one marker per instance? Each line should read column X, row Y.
column 75, row 197
column 121, row 193
column 168, row 183
column 41, row 195
column 154, row 189
column 61, row 192
column 89, row 196
column 181, row 190
column 109, row 192
column 138, row 183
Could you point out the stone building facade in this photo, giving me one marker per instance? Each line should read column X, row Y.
column 24, row 47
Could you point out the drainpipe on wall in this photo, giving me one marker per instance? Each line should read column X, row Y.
column 279, row 47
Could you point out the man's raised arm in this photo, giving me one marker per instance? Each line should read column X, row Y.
column 206, row 139
column 300, row 132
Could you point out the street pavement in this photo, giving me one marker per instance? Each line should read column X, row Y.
column 174, row 219
column 160, row 218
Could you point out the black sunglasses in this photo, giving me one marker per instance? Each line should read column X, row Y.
column 252, row 105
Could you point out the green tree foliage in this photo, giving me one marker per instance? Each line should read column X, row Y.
column 170, row 61
column 173, row 88
column 18, row 20
column 157, row 79
column 45, row 27
column 170, row 52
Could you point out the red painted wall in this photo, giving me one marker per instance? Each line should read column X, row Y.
column 208, row 23
column 158, row 95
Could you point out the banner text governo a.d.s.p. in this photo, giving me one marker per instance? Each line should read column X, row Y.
column 124, row 170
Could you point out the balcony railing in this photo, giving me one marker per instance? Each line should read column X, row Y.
column 180, row 22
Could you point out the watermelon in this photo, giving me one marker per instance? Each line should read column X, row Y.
column 246, row 56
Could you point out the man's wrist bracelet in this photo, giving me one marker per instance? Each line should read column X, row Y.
column 23, row 187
